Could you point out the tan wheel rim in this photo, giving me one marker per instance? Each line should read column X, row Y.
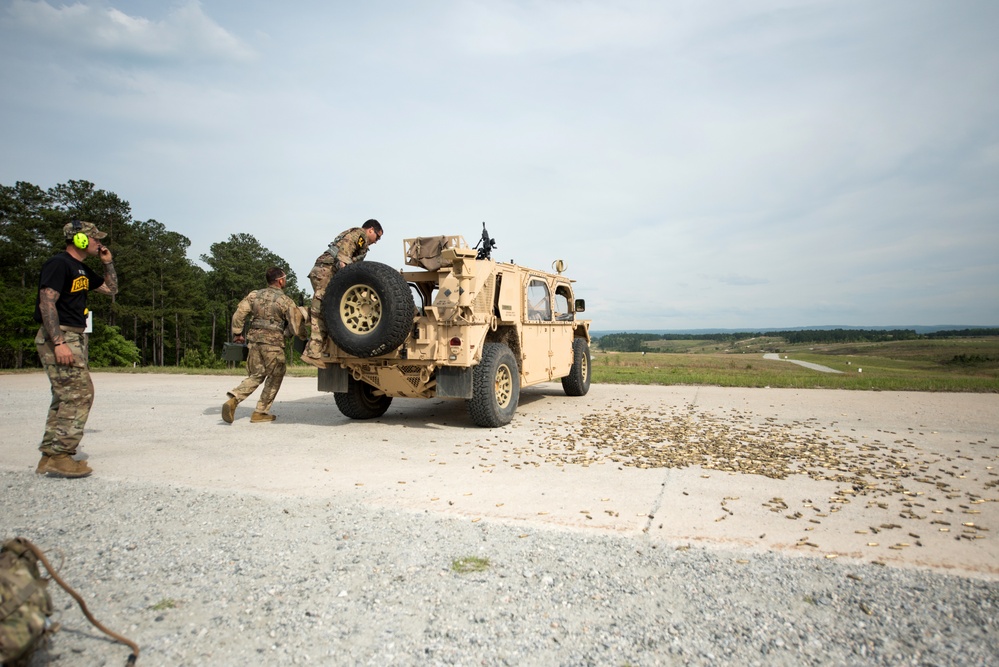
column 504, row 386
column 360, row 309
column 583, row 367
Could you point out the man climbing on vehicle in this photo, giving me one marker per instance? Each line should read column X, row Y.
column 349, row 247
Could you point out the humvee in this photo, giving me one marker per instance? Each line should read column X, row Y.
column 460, row 326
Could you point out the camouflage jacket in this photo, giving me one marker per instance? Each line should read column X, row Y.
column 273, row 316
column 349, row 247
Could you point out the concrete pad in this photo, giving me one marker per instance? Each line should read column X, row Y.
column 904, row 479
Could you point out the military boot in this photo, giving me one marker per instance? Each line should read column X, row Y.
column 258, row 417
column 42, row 464
column 313, row 361
column 63, row 465
column 229, row 410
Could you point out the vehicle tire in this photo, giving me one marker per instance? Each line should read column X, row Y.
column 360, row 401
column 495, row 387
column 577, row 382
column 368, row 309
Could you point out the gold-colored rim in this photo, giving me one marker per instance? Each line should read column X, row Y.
column 503, row 386
column 583, row 366
column 360, row 309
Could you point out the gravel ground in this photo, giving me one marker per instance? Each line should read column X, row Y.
column 224, row 578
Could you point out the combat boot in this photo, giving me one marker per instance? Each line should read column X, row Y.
column 258, row 417
column 63, row 465
column 229, row 410
column 42, row 464
column 313, row 361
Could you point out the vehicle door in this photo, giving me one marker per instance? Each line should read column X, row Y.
column 562, row 331
column 537, row 329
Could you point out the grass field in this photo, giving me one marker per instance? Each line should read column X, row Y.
column 963, row 364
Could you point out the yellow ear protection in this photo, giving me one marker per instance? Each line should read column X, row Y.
column 80, row 240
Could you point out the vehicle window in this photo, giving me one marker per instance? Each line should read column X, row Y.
column 423, row 295
column 417, row 297
column 539, row 305
column 562, row 310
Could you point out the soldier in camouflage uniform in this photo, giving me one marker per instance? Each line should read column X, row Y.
column 349, row 247
column 61, row 309
column 273, row 317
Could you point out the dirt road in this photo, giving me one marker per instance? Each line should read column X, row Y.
column 905, row 479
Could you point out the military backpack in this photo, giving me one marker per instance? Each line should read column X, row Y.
column 25, row 605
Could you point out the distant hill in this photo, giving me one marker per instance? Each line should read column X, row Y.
column 694, row 332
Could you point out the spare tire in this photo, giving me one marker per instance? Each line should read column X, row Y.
column 368, row 309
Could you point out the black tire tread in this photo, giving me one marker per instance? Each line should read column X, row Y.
column 577, row 382
column 482, row 407
column 359, row 401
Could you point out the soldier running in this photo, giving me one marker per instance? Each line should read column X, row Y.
column 273, row 317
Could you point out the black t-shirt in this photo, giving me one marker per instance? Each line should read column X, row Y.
column 72, row 279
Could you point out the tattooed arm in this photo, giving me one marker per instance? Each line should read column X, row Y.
column 110, row 285
column 47, row 298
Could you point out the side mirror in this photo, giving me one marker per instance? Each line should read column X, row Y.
column 580, row 305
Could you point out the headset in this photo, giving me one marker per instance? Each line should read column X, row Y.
column 80, row 240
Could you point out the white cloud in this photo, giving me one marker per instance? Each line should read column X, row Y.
column 552, row 28
column 747, row 163
column 185, row 34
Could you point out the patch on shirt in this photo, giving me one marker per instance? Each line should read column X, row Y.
column 81, row 284
column 360, row 242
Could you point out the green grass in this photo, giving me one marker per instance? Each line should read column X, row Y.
column 164, row 604
column 956, row 365
column 299, row 370
column 968, row 365
column 469, row 564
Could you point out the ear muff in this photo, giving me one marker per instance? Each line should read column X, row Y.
column 80, row 240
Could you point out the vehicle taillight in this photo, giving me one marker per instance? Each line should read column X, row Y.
column 455, row 342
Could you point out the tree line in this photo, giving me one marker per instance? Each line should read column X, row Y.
column 169, row 311
column 635, row 342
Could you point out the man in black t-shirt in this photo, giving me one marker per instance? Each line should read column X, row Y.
column 61, row 309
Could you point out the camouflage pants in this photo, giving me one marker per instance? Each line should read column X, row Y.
column 72, row 393
column 319, row 276
column 266, row 364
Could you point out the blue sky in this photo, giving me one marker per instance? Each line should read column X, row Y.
column 740, row 164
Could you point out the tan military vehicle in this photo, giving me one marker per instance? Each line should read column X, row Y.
column 460, row 326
